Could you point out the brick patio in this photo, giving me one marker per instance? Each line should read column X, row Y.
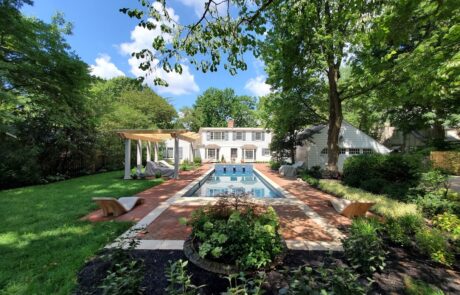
column 307, row 219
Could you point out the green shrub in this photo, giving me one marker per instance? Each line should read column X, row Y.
column 179, row 282
column 275, row 165
column 310, row 180
column 237, row 231
column 413, row 287
column 321, row 280
column 240, row 284
column 374, row 172
column 364, row 247
column 434, row 203
column 434, row 244
column 197, row 160
column 448, row 222
column 385, row 206
column 402, row 229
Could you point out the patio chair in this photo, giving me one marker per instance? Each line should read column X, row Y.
column 112, row 206
column 290, row 170
column 152, row 168
column 351, row 209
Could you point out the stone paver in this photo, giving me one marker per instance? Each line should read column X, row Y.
column 454, row 182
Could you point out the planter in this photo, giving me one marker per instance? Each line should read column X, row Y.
column 221, row 268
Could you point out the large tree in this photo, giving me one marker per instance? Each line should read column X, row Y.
column 310, row 39
column 215, row 107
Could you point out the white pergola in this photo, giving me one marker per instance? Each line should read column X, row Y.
column 153, row 136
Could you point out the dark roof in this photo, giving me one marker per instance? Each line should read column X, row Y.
column 309, row 132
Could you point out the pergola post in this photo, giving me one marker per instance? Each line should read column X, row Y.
column 176, row 157
column 139, row 157
column 127, row 159
column 148, row 152
column 155, row 149
column 192, row 156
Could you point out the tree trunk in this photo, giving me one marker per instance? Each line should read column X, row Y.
column 335, row 120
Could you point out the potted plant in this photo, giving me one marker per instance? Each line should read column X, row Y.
column 234, row 235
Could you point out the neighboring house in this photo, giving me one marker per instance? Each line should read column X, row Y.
column 233, row 144
column 352, row 141
column 399, row 141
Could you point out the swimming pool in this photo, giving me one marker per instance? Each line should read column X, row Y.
column 233, row 179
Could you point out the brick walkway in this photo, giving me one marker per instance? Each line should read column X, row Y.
column 153, row 196
column 307, row 219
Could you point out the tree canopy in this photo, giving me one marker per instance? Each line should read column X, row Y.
column 215, row 107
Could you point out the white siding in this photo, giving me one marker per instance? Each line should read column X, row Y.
column 226, row 144
column 350, row 137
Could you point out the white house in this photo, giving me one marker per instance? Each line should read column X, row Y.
column 231, row 144
column 352, row 141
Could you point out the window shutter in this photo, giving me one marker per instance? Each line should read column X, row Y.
column 208, row 135
column 253, row 136
column 233, row 135
column 263, row 136
column 244, row 136
column 226, row 135
column 180, row 153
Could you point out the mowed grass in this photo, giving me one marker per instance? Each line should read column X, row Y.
column 43, row 242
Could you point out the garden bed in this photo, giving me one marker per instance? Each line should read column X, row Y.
column 400, row 264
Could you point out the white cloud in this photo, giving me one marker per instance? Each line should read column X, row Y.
column 198, row 6
column 104, row 68
column 141, row 38
column 258, row 86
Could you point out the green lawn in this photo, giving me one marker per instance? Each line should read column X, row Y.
column 42, row 241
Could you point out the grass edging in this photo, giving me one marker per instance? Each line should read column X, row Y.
column 384, row 206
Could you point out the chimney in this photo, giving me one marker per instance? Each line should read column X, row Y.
column 231, row 123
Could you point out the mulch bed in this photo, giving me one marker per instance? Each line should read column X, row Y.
column 400, row 263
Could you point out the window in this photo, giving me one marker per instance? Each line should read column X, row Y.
column 265, row 152
column 217, row 135
column 324, row 151
column 258, row 136
column 239, row 135
column 212, row 154
column 233, row 153
column 170, row 153
column 249, row 154
column 342, row 151
column 354, row 151
column 368, row 151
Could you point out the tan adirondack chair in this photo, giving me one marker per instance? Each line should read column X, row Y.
column 351, row 209
column 117, row 207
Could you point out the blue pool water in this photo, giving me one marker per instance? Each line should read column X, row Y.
column 234, row 179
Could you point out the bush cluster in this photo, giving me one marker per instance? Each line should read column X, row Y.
column 401, row 230
column 275, row 165
column 236, row 231
column 390, row 174
column 364, row 246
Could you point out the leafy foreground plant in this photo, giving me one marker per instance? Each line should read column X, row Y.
column 401, row 230
column 126, row 274
column 413, row 287
column 321, row 280
column 236, row 231
column 364, row 247
column 433, row 243
column 180, row 283
column 240, row 284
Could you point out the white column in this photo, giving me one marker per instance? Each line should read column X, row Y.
column 155, row 149
column 176, row 157
column 127, row 159
column 139, row 157
column 192, row 155
column 148, row 149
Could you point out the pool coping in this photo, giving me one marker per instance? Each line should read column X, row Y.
column 179, row 199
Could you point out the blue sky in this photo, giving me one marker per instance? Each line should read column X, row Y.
column 103, row 38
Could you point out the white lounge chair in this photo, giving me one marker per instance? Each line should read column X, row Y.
column 117, row 207
column 351, row 209
column 290, row 170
